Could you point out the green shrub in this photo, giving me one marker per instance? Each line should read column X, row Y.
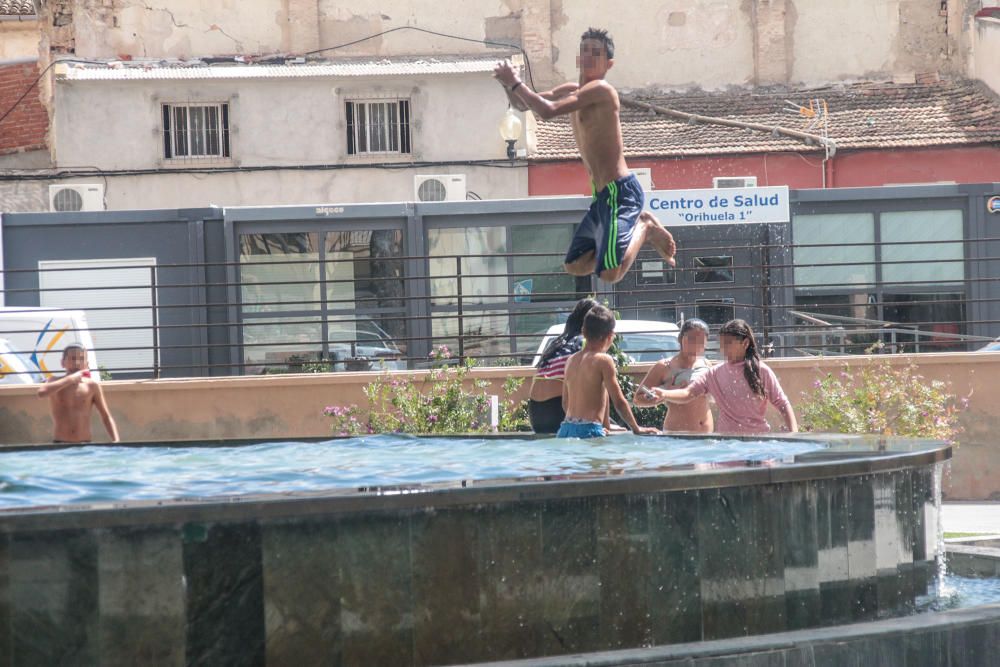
column 439, row 404
column 645, row 416
column 883, row 399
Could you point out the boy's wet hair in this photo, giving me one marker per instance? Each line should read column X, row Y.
column 598, row 324
column 603, row 37
column 71, row 347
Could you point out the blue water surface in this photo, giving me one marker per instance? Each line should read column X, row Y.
column 112, row 473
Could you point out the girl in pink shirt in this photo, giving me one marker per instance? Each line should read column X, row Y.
column 742, row 387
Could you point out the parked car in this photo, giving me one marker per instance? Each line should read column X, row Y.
column 363, row 345
column 15, row 367
column 640, row 340
column 992, row 346
column 41, row 334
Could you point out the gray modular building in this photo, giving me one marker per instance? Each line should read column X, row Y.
column 214, row 291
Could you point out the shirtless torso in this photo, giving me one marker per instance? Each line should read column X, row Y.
column 676, row 373
column 71, row 411
column 71, row 399
column 598, row 133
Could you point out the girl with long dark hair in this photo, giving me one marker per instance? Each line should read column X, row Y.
column 742, row 387
column 545, row 410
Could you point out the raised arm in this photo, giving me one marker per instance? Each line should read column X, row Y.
column 569, row 99
column 54, row 386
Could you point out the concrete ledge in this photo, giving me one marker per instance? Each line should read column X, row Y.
column 961, row 637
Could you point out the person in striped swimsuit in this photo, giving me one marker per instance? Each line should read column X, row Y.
column 545, row 410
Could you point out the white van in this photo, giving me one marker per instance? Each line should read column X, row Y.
column 41, row 334
column 15, row 367
column 640, row 340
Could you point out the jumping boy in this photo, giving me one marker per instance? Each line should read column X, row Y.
column 72, row 397
column 609, row 237
column 590, row 378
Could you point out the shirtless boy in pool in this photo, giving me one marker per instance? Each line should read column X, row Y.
column 591, row 380
column 73, row 396
column 609, row 237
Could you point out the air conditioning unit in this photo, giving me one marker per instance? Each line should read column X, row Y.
column 448, row 187
column 645, row 176
column 734, row 182
column 76, row 197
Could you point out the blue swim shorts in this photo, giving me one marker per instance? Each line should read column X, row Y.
column 580, row 429
column 607, row 226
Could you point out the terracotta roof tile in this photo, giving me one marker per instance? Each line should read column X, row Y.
column 861, row 115
column 17, row 8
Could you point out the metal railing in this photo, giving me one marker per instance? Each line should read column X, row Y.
column 304, row 319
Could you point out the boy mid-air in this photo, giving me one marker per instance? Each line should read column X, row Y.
column 591, row 378
column 609, row 237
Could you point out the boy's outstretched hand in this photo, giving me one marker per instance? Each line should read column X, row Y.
column 505, row 73
column 646, row 430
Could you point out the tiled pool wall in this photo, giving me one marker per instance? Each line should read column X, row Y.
column 465, row 574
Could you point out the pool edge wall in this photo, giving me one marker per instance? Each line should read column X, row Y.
column 957, row 638
column 445, row 574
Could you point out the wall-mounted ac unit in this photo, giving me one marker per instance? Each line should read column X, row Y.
column 645, row 176
column 447, row 187
column 66, row 197
column 734, row 182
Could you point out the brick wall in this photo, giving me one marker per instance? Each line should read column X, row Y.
column 25, row 128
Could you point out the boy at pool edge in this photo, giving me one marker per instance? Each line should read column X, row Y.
column 590, row 379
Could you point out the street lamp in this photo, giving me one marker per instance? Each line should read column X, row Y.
column 510, row 130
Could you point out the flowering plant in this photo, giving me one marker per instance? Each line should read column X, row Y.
column 345, row 420
column 884, row 399
column 440, row 404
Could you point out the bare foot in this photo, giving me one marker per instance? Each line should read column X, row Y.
column 660, row 238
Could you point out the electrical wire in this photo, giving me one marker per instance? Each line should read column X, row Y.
column 527, row 62
column 39, row 78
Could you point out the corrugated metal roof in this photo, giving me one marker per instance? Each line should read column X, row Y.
column 132, row 71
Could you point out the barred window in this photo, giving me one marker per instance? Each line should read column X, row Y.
column 380, row 126
column 195, row 130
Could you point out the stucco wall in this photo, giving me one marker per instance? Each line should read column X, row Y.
column 291, row 406
column 276, row 121
column 987, row 52
column 702, row 43
column 18, row 39
column 709, row 43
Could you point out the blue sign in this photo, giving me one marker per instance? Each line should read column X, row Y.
column 522, row 290
column 719, row 205
column 993, row 204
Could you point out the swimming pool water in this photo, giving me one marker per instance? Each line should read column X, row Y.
column 953, row 591
column 111, row 473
